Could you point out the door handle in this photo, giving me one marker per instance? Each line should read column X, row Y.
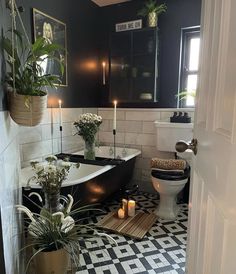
column 181, row 146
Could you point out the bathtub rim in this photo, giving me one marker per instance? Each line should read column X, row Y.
column 102, row 169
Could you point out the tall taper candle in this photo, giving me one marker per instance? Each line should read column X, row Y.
column 114, row 120
column 60, row 114
column 104, row 73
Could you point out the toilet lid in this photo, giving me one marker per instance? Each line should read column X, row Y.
column 171, row 175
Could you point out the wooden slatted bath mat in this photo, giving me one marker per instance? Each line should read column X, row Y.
column 134, row 227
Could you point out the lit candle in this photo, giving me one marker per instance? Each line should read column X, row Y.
column 60, row 113
column 121, row 213
column 131, row 208
column 104, row 73
column 125, row 206
column 114, row 120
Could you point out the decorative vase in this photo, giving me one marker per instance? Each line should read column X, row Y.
column 89, row 150
column 152, row 19
column 56, row 262
column 30, row 115
column 52, row 202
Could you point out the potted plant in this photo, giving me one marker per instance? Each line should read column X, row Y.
column 56, row 237
column 26, row 82
column 87, row 126
column 56, row 232
column 183, row 95
column 152, row 10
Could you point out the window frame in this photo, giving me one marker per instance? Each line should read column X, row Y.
column 186, row 35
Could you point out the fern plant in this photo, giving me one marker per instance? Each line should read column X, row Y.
column 26, row 76
column 151, row 6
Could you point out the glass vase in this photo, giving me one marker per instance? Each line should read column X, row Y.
column 89, row 150
column 52, row 202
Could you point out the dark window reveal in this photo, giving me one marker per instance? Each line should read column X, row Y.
column 189, row 71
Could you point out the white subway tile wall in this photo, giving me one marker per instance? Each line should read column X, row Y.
column 38, row 142
column 135, row 128
column 10, row 191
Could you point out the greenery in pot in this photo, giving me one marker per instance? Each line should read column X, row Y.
column 60, row 231
column 57, row 227
column 26, row 76
column 183, row 95
column 151, row 6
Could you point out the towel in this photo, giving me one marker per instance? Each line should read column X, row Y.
column 168, row 164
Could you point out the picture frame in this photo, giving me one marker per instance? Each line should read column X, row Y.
column 55, row 31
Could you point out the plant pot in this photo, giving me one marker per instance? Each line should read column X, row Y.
column 55, row 262
column 27, row 116
column 152, row 19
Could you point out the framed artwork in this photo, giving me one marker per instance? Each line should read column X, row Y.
column 54, row 31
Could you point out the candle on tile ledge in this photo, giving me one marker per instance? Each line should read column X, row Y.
column 121, row 213
column 131, row 208
column 114, row 119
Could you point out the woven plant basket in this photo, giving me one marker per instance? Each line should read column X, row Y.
column 23, row 115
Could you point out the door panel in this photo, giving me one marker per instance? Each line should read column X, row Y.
column 212, row 224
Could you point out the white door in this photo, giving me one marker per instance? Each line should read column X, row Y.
column 212, row 224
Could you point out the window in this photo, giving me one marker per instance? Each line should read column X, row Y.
column 189, row 66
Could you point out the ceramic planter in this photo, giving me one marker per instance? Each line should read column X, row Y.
column 152, row 19
column 55, row 262
column 24, row 115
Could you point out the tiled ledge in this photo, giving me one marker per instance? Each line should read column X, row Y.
column 151, row 109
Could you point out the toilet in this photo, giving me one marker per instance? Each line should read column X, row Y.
column 170, row 183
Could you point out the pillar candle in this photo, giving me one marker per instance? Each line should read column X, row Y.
column 131, row 208
column 121, row 213
column 60, row 113
column 114, row 120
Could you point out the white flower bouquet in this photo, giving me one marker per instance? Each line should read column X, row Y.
column 87, row 126
column 51, row 174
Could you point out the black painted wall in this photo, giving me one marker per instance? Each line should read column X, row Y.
column 81, row 17
column 180, row 14
column 88, row 29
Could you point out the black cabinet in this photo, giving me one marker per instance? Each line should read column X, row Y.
column 133, row 66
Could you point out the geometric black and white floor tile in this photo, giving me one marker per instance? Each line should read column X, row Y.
column 162, row 250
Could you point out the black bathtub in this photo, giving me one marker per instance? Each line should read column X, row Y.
column 93, row 183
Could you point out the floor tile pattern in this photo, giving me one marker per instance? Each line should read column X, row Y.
column 162, row 250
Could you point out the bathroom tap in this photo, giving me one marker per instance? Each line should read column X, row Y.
column 124, row 151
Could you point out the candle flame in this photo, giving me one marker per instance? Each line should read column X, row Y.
column 103, row 64
column 59, row 101
column 115, row 102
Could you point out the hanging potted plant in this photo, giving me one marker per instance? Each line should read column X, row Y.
column 26, row 82
column 152, row 10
